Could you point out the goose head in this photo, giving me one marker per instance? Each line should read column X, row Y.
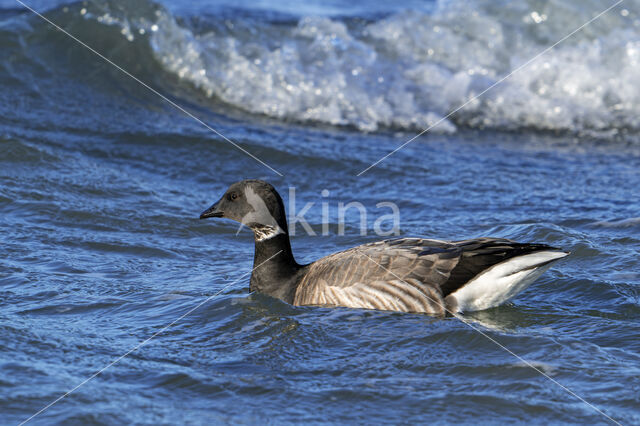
column 253, row 203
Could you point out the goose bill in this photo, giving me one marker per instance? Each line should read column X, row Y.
column 212, row 211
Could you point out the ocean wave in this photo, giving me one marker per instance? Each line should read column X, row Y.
column 407, row 70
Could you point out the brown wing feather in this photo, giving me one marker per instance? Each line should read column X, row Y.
column 403, row 274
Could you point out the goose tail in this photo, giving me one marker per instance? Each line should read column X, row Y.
column 503, row 281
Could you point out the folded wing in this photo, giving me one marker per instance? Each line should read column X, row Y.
column 422, row 275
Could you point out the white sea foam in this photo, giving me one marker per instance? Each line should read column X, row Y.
column 410, row 69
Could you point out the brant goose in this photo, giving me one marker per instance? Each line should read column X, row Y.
column 403, row 274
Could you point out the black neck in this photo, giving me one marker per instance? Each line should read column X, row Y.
column 275, row 270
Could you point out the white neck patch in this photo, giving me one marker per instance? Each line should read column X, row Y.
column 260, row 220
column 262, row 233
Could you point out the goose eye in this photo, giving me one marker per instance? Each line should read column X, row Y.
column 233, row 196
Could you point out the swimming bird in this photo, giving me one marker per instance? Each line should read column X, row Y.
column 402, row 274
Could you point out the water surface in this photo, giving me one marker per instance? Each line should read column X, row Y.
column 101, row 183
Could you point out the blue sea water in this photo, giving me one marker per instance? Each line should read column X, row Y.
column 102, row 181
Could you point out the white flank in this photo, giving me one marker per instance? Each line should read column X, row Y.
column 503, row 281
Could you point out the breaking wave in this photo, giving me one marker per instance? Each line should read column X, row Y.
column 405, row 70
